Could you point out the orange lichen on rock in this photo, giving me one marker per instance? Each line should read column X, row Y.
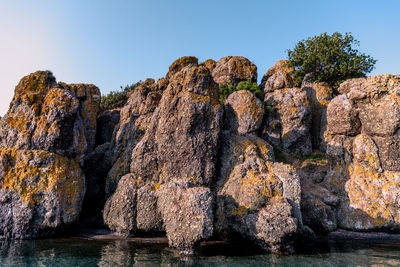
column 33, row 174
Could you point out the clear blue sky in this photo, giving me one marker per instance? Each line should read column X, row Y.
column 115, row 42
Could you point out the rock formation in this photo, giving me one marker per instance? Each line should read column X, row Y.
column 174, row 160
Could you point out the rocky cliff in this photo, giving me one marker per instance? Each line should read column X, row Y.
column 176, row 160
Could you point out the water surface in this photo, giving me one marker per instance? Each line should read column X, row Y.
column 72, row 252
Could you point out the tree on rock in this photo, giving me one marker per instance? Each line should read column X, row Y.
column 329, row 58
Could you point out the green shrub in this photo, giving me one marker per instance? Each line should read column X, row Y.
column 252, row 87
column 117, row 99
column 226, row 89
column 329, row 58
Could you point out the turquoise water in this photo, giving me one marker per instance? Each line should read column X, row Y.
column 121, row 253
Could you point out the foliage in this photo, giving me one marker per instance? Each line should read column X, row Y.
column 252, row 87
column 117, row 99
column 226, row 89
column 329, row 58
column 314, row 159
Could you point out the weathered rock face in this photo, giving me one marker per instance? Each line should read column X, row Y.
column 187, row 214
column 48, row 116
column 319, row 95
column 233, row 70
column 135, row 117
column 40, row 192
column 148, row 216
column 252, row 190
column 288, row 122
column 277, row 77
column 244, row 112
column 364, row 170
column 182, row 139
column 120, row 209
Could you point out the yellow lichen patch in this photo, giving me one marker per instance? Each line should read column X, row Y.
column 211, row 97
column 33, row 173
column 241, row 210
column 366, row 189
column 33, row 88
column 256, row 185
column 365, row 150
column 18, row 121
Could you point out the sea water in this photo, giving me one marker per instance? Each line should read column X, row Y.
column 77, row 252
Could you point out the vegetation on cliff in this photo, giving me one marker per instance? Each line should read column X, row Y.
column 329, row 58
column 226, row 89
column 117, row 99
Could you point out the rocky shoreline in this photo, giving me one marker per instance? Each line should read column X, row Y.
column 274, row 169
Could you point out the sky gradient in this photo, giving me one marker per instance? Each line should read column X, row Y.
column 114, row 43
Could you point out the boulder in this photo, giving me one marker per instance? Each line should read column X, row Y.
column 233, row 70
column 40, row 193
column 249, row 187
column 187, row 213
column 288, row 122
column 277, row 77
column 182, row 138
column 120, row 210
column 44, row 115
column 243, row 112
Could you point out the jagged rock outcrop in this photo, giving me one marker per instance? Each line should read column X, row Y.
column 182, row 139
column 44, row 115
column 244, row 112
column 233, row 70
column 44, row 137
column 40, row 192
column 363, row 171
column 174, row 159
column 135, row 117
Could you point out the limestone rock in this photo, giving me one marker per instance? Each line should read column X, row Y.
column 187, row 214
column 40, row 192
column 247, row 188
column 243, row 112
column 120, row 209
column 182, row 139
column 288, row 121
column 277, row 77
column 48, row 116
column 233, row 70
